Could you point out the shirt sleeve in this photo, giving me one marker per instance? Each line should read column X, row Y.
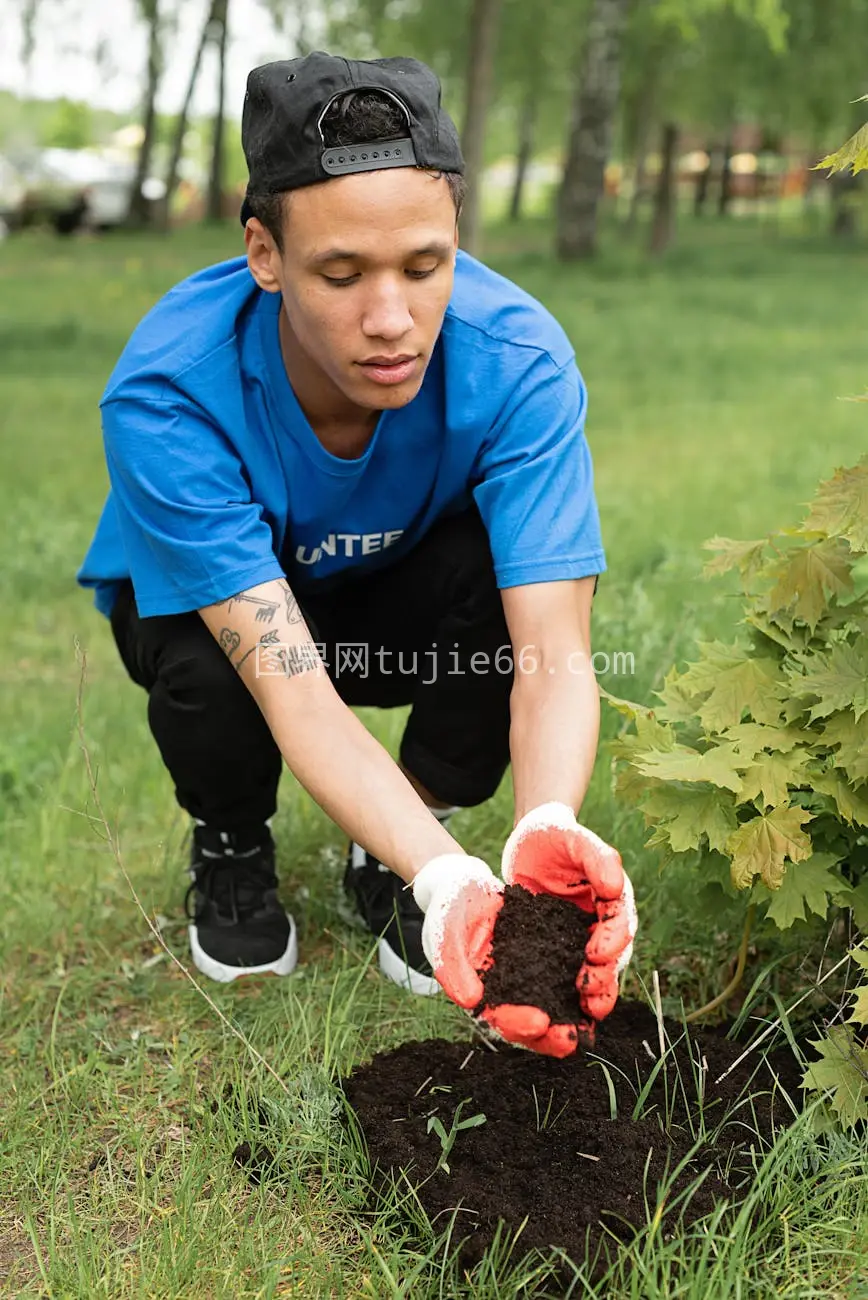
column 190, row 531
column 535, row 488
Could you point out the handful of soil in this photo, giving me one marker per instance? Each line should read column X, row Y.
column 537, row 948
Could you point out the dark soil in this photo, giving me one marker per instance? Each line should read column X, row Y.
column 537, row 948
column 550, row 1149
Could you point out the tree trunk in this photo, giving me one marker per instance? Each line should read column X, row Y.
column 844, row 187
column 639, row 173
column 214, row 209
column 184, row 115
column 524, row 153
column 139, row 210
column 725, row 196
column 484, row 21
column 666, row 193
column 700, row 193
column 643, row 129
column 593, row 118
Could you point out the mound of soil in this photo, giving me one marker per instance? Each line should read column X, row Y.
column 537, row 948
column 559, row 1145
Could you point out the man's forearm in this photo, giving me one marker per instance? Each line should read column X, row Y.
column 554, row 729
column 349, row 773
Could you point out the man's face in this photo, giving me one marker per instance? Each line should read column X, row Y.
column 365, row 279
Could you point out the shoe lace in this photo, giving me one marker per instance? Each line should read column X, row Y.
column 234, row 884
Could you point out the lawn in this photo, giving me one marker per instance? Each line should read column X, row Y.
column 718, row 381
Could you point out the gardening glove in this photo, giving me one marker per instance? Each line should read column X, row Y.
column 550, row 852
column 461, row 898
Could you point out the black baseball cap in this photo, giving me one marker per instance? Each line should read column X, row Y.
column 285, row 104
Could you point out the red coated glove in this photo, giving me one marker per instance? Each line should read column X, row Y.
column 549, row 852
column 461, row 898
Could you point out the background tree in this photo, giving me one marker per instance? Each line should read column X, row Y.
column 183, row 118
column 533, row 77
column 139, row 209
column 71, row 127
column 220, row 35
column 592, row 126
column 485, row 15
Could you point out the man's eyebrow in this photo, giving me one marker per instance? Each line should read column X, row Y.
column 346, row 255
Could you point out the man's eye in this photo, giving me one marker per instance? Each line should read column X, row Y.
column 422, row 275
column 340, row 280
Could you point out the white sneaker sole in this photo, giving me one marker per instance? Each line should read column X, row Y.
column 215, row 970
column 396, row 969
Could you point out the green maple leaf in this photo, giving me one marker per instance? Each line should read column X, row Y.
column 841, row 504
column 858, row 903
column 852, row 155
column 749, row 738
column 701, row 676
column 685, row 815
column 733, row 680
column 746, row 556
column 771, row 775
column 753, row 684
column 807, row 885
column 650, row 734
column 719, row 766
column 793, row 638
column 678, row 701
column 859, row 1014
column 761, row 846
column 842, row 1073
column 851, row 804
column 808, row 577
column 839, row 678
column 851, row 739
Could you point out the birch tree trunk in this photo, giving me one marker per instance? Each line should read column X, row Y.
column 484, row 21
column 524, row 152
column 184, row 115
column 214, row 210
column 138, row 213
column 595, row 105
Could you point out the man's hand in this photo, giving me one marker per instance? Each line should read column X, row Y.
column 461, row 897
column 550, row 852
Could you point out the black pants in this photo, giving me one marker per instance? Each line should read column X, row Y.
column 407, row 634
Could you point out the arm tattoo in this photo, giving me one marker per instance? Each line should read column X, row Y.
column 266, row 608
column 293, row 610
column 267, row 639
column 229, row 641
column 273, row 658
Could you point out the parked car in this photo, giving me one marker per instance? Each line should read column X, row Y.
column 74, row 188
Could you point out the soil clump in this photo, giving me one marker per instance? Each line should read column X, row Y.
column 537, row 948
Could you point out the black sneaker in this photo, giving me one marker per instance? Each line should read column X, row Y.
column 237, row 926
column 389, row 910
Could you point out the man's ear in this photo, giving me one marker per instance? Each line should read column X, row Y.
column 262, row 255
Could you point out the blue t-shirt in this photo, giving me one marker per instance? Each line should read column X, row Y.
column 218, row 481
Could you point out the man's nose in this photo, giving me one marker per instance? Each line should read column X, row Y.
column 387, row 313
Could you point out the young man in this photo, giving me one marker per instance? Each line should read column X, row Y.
column 350, row 469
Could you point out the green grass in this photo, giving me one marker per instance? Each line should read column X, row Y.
column 717, row 381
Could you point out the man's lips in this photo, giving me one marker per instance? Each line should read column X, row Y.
column 389, row 370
